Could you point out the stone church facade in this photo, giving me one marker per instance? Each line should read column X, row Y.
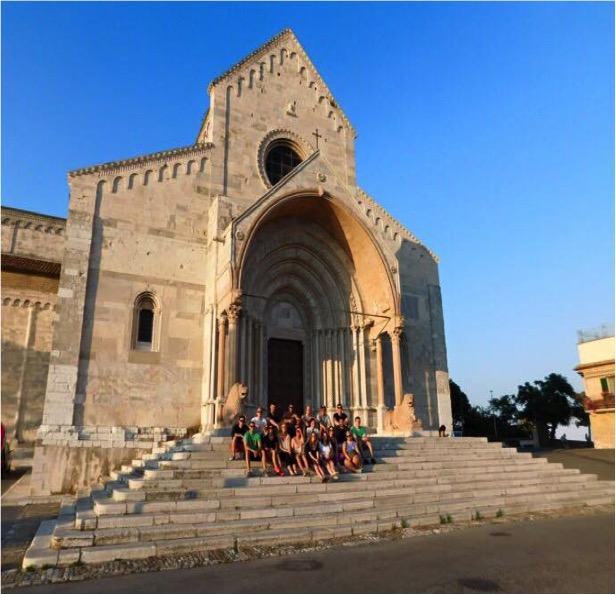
column 250, row 256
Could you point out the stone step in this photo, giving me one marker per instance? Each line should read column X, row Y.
column 219, row 522
column 171, row 488
column 187, row 496
column 236, row 479
column 356, row 484
column 41, row 553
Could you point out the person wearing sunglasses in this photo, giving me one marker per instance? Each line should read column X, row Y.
column 253, row 448
column 259, row 421
column 352, row 455
column 237, row 437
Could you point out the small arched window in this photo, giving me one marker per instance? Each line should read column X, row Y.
column 145, row 322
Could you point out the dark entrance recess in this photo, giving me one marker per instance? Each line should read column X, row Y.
column 285, row 374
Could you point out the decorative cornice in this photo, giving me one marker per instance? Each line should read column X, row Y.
column 116, row 166
column 236, row 68
column 392, row 222
column 32, row 220
column 285, row 33
column 21, row 303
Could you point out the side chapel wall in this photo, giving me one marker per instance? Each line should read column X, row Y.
column 28, row 301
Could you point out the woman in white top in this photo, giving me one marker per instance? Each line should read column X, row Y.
column 328, row 454
column 297, row 447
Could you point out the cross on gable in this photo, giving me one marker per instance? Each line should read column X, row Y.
column 317, row 136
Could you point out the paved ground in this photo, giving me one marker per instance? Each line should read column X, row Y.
column 599, row 461
column 554, row 555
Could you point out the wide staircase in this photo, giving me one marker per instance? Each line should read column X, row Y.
column 187, row 496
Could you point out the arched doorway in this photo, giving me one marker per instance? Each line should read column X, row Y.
column 313, row 286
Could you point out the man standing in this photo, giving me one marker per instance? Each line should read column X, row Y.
column 307, row 417
column 273, row 417
column 259, row 421
column 340, row 431
column 361, row 436
column 340, row 414
column 253, row 448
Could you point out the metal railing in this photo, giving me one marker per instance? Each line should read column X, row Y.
column 598, row 332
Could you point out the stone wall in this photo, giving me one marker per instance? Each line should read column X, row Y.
column 31, row 251
column 602, row 426
column 31, row 234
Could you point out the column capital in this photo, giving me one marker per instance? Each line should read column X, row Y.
column 234, row 312
column 368, row 324
column 222, row 319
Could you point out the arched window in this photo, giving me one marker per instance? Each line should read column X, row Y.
column 145, row 322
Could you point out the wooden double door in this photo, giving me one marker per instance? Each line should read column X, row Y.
column 285, row 374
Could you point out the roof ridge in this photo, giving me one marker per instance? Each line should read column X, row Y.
column 252, row 54
column 8, row 211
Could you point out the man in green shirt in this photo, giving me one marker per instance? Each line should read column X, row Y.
column 361, row 436
column 253, row 448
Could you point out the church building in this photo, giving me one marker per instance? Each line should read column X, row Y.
column 248, row 258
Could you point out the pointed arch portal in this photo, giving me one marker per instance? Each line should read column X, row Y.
column 315, row 290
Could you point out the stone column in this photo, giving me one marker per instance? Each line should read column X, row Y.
column 232, row 371
column 397, row 363
column 241, row 349
column 343, row 365
column 316, row 368
column 335, row 366
column 363, row 367
column 355, row 384
column 249, row 355
column 259, row 363
column 380, row 388
column 220, row 372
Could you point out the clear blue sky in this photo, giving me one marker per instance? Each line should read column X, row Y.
column 487, row 129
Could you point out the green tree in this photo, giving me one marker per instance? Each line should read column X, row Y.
column 473, row 420
column 505, row 414
column 460, row 405
column 547, row 403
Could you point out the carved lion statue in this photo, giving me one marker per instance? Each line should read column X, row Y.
column 233, row 406
column 402, row 417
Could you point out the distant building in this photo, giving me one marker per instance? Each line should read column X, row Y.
column 596, row 351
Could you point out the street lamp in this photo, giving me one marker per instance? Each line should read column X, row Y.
column 494, row 416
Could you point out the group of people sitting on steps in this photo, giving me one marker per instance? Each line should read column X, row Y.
column 302, row 444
